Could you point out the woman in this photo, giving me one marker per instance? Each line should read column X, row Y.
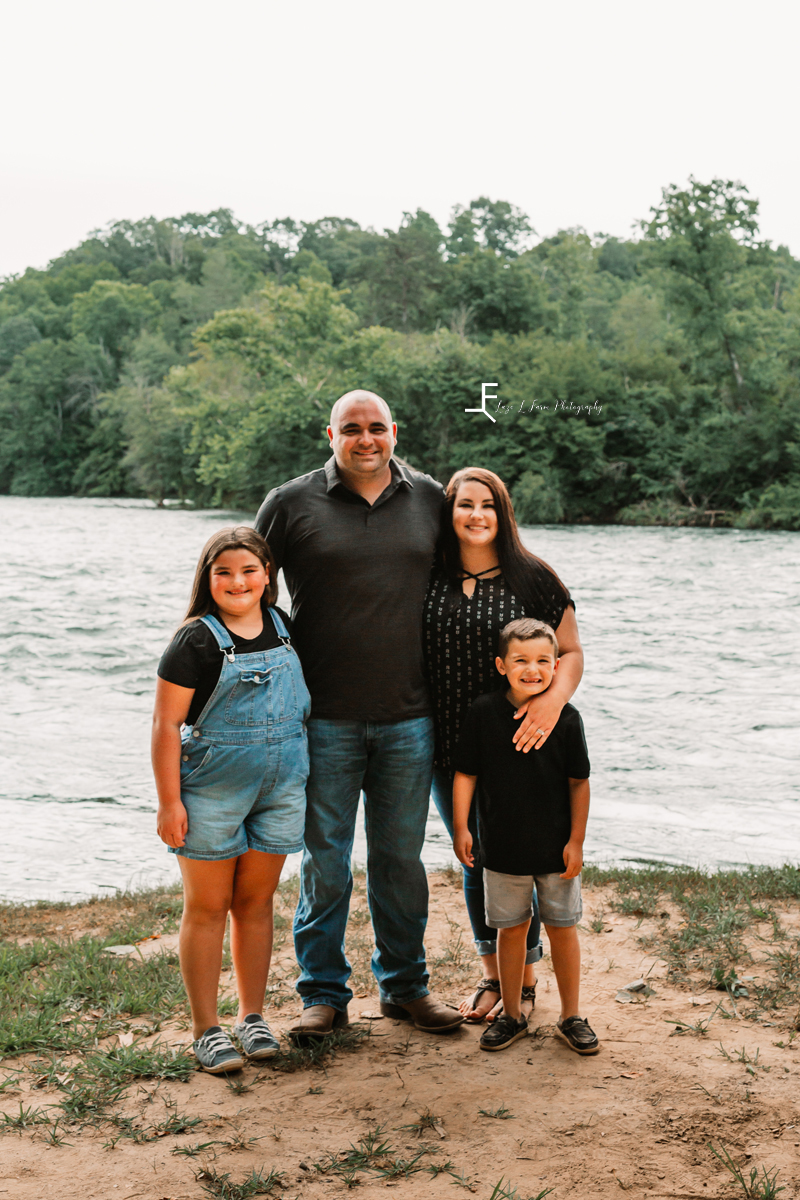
column 484, row 578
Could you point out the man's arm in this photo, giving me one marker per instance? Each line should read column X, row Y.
column 271, row 524
column 543, row 711
column 579, row 811
column 463, row 791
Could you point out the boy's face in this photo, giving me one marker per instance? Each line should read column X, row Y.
column 529, row 665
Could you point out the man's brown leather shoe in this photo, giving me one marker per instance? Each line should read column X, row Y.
column 429, row 1015
column 317, row 1022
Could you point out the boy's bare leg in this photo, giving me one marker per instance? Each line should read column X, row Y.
column 565, row 951
column 511, row 950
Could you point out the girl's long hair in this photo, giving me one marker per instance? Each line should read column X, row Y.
column 233, row 537
column 519, row 567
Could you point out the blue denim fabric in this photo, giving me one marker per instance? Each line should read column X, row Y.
column 244, row 764
column 392, row 763
column 485, row 936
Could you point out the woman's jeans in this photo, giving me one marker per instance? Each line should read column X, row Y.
column 485, row 937
column 391, row 763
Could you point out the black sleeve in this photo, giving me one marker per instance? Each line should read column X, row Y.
column 182, row 661
column 577, row 752
column 467, row 756
column 271, row 524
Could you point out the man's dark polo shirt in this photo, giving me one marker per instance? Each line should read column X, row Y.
column 357, row 574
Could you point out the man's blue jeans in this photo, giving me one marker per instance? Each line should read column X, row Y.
column 392, row 763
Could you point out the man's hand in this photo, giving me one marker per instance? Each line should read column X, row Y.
column 538, row 720
column 573, row 859
column 173, row 824
column 462, row 845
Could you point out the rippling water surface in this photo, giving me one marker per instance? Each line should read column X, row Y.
column 690, row 697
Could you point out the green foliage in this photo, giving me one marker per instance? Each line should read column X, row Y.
column 645, row 381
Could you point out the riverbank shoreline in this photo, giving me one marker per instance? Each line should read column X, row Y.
column 99, row 1098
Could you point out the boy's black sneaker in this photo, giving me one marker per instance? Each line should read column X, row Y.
column 503, row 1031
column 579, row 1035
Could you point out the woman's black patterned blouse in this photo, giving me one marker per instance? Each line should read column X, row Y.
column 461, row 635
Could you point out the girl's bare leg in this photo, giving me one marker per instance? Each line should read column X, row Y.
column 254, row 884
column 207, row 893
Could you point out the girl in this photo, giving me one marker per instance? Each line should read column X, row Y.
column 230, row 759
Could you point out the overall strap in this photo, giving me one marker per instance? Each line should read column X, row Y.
column 280, row 628
column 222, row 635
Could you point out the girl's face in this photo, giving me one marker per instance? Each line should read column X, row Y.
column 474, row 515
column 237, row 580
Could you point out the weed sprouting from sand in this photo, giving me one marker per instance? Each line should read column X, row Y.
column 425, row 1120
column 698, row 1028
column 504, row 1191
column 221, row 1185
column 373, row 1153
column 300, row 1058
column 499, row 1114
column 763, row 1187
column 24, row 1119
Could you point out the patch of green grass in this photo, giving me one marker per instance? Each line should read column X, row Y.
column 500, row 1114
column 63, row 996
column 717, row 910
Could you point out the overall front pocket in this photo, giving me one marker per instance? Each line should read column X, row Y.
column 262, row 696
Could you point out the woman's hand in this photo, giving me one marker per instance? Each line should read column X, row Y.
column 462, row 845
column 538, row 719
column 173, row 824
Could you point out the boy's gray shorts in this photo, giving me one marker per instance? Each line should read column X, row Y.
column 509, row 899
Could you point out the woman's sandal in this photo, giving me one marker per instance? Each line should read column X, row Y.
column 528, row 994
column 485, row 985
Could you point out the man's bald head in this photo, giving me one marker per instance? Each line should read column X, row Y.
column 358, row 397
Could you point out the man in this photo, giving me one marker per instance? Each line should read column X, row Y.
column 356, row 541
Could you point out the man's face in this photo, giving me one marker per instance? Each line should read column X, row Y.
column 363, row 438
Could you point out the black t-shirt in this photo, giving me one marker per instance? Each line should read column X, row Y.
column 461, row 636
column 193, row 658
column 524, row 817
column 357, row 574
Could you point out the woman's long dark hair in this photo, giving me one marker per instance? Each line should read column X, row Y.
column 518, row 565
column 233, row 537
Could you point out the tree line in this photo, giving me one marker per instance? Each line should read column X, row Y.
column 649, row 380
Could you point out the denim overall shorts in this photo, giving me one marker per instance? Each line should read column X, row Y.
column 244, row 764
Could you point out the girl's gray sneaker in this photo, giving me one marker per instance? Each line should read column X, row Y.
column 255, row 1037
column 216, row 1052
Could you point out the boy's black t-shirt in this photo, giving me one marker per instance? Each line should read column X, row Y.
column 194, row 660
column 523, row 802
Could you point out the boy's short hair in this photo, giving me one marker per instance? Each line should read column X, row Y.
column 525, row 629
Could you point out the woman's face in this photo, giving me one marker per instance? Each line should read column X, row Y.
column 474, row 515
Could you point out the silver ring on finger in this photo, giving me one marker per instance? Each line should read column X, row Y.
column 541, row 731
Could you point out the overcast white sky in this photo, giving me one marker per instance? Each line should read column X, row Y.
column 578, row 112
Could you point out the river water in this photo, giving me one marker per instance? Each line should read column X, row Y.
column 690, row 698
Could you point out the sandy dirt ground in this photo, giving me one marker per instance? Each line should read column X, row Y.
column 678, row 1069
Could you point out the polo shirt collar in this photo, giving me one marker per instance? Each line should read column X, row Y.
column 400, row 474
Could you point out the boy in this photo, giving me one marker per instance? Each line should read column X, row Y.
column 532, row 811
